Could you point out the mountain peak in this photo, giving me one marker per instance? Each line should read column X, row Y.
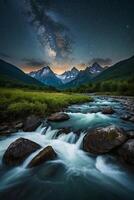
column 95, row 68
column 74, row 69
column 46, row 70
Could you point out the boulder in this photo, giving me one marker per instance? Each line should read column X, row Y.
column 58, row 117
column 31, row 123
column 46, row 154
column 103, row 140
column 17, row 151
column 126, row 151
column 108, row 110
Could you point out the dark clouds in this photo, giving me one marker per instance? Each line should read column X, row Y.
column 101, row 61
column 35, row 63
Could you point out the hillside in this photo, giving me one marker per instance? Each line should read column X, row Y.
column 11, row 75
column 121, row 70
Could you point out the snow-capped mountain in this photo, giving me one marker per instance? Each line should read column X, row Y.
column 95, row 68
column 74, row 77
column 68, row 76
column 46, row 76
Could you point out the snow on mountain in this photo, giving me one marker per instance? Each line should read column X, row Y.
column 72, row 77
column 95, row 68
column 68, row 76
column 46, row 76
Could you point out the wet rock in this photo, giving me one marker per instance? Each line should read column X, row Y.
column 58, row 117
column 17, row 151
column 130, row 134
column 132, row 119
column 103, row 140
column 18, row 125
column 46, row 154
column 108, row 110
column 125, row 117
column 10, row 127
column 7, row 131
column 31, row 123
column 3, row 128
column 126, row 151
column 64, row 131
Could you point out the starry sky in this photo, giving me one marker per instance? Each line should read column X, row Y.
column 66, row 33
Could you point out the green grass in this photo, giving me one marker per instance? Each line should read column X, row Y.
column 19, row 103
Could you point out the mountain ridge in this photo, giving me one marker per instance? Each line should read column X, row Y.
column 11, row 74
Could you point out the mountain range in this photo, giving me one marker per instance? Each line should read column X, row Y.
column 70, row 78
column 11, row 75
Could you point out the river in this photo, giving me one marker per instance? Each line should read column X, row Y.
column 74, row 174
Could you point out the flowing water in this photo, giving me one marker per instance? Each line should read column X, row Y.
column 74, row 174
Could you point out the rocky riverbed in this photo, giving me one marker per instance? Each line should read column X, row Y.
column 89, row 147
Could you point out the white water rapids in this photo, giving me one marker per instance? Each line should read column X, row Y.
column 92, row 176
column 67, row 146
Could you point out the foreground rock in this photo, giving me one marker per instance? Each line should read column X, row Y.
column 108, row 110
column 103, row 140
column 31, row 123
column 46, row 154
column 17, row 151
column 126, row 151
column 58, row 117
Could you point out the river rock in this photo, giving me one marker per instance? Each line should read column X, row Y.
column 126, row 151
column 132, row 119
column 103, row 140
column 130, row 134
column 108, row 110
column 64, row 131
column 19, row 150
column 18, row 125
column 31, row 123
column 7, row 130
column 125, row 117
column 46, row 154
column 58, row 117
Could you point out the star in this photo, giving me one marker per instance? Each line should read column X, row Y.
column 127, row 26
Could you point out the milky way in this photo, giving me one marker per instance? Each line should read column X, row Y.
column 66, row 33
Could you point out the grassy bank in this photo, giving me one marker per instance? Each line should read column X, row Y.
column 19, row 103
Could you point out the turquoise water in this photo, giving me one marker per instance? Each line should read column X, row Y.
column 74, row 174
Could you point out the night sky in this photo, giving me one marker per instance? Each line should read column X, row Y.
column 66, row 33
